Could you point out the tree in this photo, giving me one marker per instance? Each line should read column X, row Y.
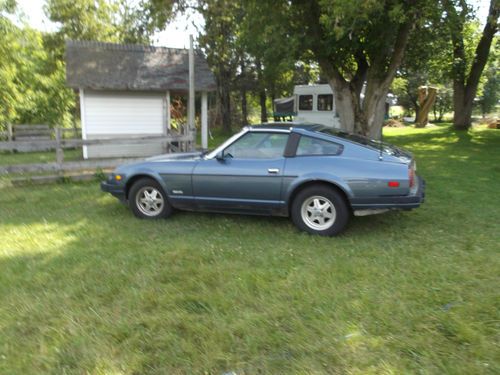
column 32, row 85
column 466, row 74
column 426, row 99
column 9, row 92
column 274, row 64
column 427, row 62
column 444, row 102
column 222, row 18
column 490, row 93
column 356, row 44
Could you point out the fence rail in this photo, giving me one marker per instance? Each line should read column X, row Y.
column 173, row 142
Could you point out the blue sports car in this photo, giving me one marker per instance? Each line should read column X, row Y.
column 317, row 175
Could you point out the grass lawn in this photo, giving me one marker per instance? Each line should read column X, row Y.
column 87, row 288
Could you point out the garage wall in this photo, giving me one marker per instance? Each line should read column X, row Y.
column 119, row 115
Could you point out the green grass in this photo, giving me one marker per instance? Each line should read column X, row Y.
column 87, row 288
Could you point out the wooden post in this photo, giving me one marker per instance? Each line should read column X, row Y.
column 204, row 121
column 10, row 135
column 191, row 111
column 167, row 104
column 59, row 149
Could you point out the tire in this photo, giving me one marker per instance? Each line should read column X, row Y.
column 320, row 209
column 147, row 200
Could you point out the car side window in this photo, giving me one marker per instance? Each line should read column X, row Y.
column 315, row 146
column 258, row 145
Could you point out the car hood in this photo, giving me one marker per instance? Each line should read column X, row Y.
column 177, row 156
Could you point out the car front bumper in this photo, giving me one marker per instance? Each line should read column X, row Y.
column 405, row 202
column 115, row 190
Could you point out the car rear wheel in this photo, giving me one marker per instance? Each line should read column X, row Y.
column 320, row 210
column 147, row 200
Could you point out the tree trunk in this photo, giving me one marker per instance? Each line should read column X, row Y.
column 465, row 87
column 344, row 105
column 462, row 108
column 243, row 85
column 374, row 107
column 224, row 94
column 262, row 93
column 426, row 99
column 244, row 107
column 366, row 117
column 263, row 108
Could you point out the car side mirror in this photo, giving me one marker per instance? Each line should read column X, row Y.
column 220, row 156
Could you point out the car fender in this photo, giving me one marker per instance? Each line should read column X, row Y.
column 147, row 172
column 319, row 177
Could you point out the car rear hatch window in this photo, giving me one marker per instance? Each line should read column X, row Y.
column 365, row 141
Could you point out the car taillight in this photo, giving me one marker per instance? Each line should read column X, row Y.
column 411, row 174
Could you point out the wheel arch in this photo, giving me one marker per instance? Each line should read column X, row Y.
column 136, row 177
column 305, row 184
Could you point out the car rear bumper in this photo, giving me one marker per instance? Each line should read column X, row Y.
column 115, row 190
column 405, row 202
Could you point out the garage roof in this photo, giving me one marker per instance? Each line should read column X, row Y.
column 109, row 66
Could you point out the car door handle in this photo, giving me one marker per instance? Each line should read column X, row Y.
column 273, row 171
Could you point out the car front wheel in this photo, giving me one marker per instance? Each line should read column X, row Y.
column 147, row 200
column 320, row 210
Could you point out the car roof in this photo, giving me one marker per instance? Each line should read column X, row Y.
column 287, row 125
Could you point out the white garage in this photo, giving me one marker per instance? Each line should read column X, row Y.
column 125, row 92
column 108, row 114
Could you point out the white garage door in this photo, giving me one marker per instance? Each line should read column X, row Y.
column 117, row 115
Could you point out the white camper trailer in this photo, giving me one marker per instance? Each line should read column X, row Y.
column 316, row 104
column 309, row 103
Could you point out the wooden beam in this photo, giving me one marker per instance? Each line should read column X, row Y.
column 72, row 143
column 67, row 166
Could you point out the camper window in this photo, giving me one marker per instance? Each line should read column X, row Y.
column 305, row 102
column 325, row 102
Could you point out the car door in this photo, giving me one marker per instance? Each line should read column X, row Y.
column 247, row 178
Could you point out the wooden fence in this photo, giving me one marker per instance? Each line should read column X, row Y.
column 172, row 142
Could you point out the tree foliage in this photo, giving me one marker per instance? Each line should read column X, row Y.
column 32, row 84
column 259, row 50
column 354, row 42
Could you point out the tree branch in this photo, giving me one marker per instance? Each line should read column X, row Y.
column 399, row 49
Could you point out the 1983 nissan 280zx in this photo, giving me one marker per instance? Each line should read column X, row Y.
column 317, row 175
